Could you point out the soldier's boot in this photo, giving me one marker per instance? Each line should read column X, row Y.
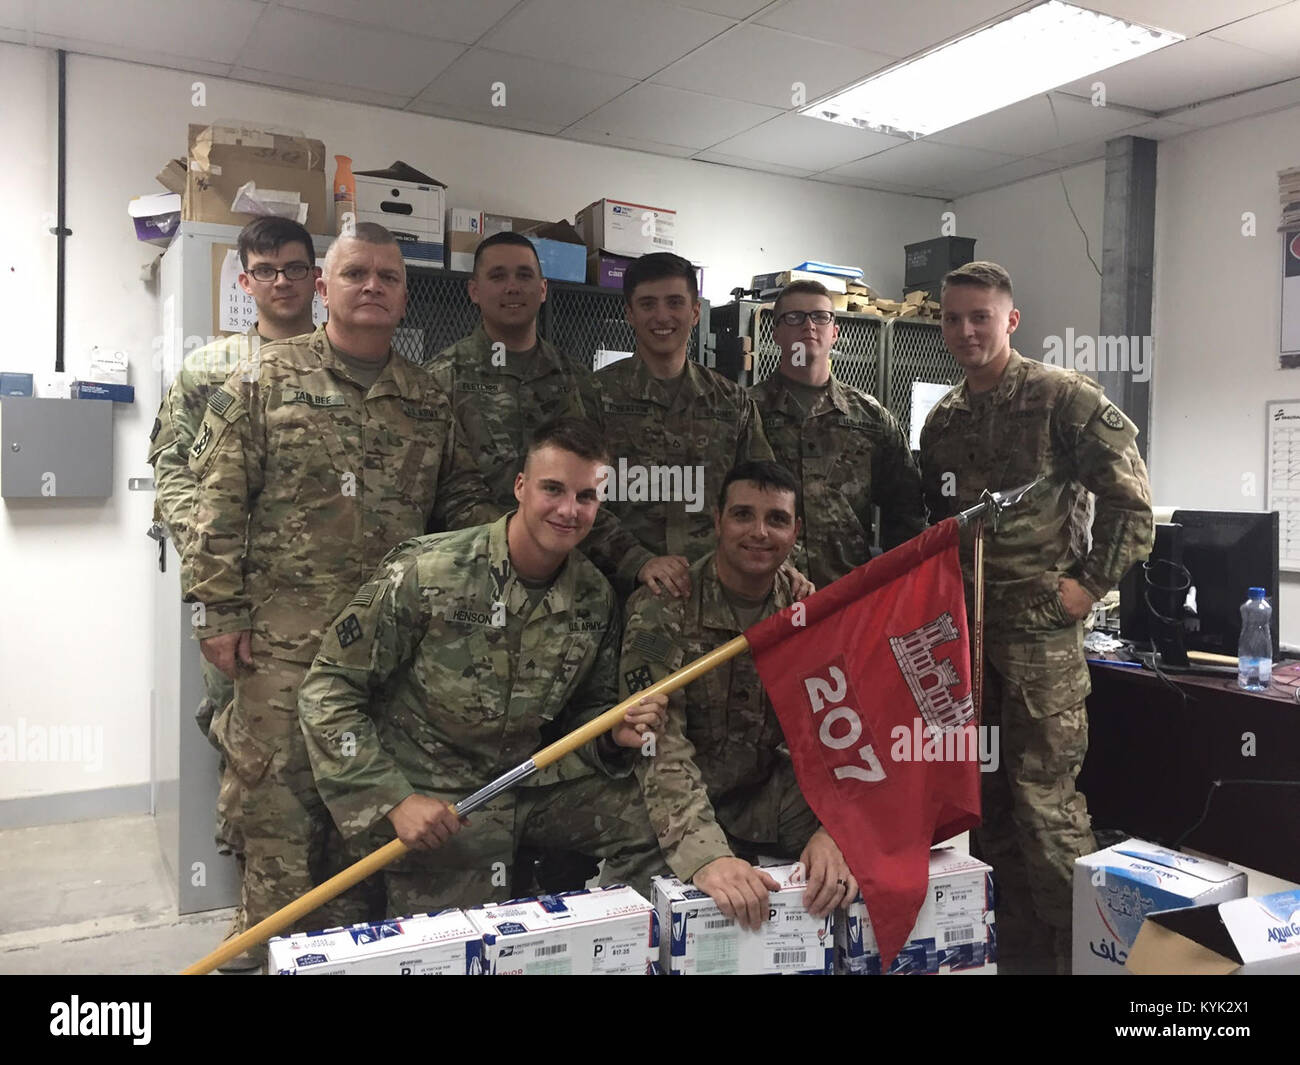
column 251, row 960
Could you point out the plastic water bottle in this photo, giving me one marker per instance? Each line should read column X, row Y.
column 1255, row 649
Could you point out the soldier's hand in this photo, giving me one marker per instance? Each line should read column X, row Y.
column 830, row 884
column 739, row 889
column 800, row 585
column 228, row 651
column 424, row 824
column 1075, row 598
column 667, row 573
column 647, row 716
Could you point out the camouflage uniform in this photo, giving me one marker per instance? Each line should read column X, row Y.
column 1038, row 420
column 307, row 482
column 179, row 417
column 721, row 780
column 849, row 456
column 710, row 422
column 438, row 677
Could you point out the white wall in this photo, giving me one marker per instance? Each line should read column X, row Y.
column 1027, row 228
column 74, row 612
column 1216, row 323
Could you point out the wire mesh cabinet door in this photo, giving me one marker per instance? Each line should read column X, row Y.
column 438, row 313
column 855, row 358
column 581, row 320
column 914, row 351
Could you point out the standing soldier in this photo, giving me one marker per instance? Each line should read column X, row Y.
column 314, row 463
column 674, row 429
column 1012, row 420
column 279, row 272
column 844, row 448
column 445, row 670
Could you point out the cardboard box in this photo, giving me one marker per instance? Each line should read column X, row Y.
column 102, row 390
column 464, row 233
column 428, row 944
column 604, row 931
column 955, row 932
column 222, row 158
column 606, row 269
column 694, row 939
column 781, row 278
column 1252, row 936
column 560, row 250
column 627, row 228
column 15, row 384
column 172, row 176
column 156, row 217
column 1115, row 888
column 412, row 210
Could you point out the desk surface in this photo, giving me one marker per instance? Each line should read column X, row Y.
column 1197, row 762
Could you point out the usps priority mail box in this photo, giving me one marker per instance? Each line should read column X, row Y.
column 601, row 931
column 428, row 944
column 955, row 932
column 1115, row 888
column 694, row 938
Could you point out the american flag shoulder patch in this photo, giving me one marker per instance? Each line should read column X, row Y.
column 652, row 645
column 367, row 594
column 220, row 401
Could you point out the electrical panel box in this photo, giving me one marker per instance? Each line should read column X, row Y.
column 55, row 448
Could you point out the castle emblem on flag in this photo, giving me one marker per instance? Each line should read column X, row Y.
column 929, row 680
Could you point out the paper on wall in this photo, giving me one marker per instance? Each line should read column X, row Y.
column 924, row 396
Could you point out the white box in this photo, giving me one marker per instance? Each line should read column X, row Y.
column 627, row 228
column 109, row 367
column 694, row 939
column 437, row 944
column 1115, row 888
column 955, row 932
column 601, row 931
column 1259, row 935
column 413, row 212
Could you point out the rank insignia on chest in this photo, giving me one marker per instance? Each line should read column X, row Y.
column 638, row 679
column 348, row 630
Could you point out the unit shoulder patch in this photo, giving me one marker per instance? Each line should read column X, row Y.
column 638, row 679
column 1112, row 417
column 348, row 630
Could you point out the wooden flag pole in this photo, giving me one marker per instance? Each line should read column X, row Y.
column 390, row 852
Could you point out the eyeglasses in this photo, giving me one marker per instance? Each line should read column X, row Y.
column 267, row 272
column 796, row 318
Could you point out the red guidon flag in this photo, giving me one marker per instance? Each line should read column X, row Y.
column 870, row 678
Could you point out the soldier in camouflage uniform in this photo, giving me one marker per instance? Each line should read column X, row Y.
column 450, row 667
column 314, row 463
column 721, row 782
column 1010, row 421
column 845, row 449
column 279, row 272
column 664, row 412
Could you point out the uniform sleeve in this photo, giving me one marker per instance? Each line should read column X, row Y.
column 675, row 796
column 597, row 693
column 462, row 498
column 895, row 488
column 1103, row 443
column 936, row 506
column 376, row 633
column 752, row 441
column 169, row 452
column 228, row 460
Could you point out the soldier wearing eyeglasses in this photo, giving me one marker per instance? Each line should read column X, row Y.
column 845, row 448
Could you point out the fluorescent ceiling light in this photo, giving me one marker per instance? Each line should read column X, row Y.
column 1049, row 45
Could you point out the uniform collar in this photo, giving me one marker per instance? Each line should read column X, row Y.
column 1012, row 375
column 398, row 377
column 545, row 359
column 507, row 586
column 780, row 398
column 712, row 610
column 645, row 385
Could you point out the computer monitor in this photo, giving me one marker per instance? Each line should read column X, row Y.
column 1227, row 553
column 1151, row 597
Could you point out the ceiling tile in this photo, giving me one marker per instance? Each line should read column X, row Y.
column 315, row 87
column 1028, row 127
column 213, row 31
column 450, row 20
column 482, row 118
column 674, row 116
column 633, row 38
column 1275, row 32
column 307, row 46
column 812, row 143
column 1160, row 129
column 1243, row 105
column 924, row 163
column 635, row 144
column 536, row 91
column 1003, row 175
column 895, row 27
column 761, row 65
column 751, row 164
column 1074, row 154
column 1185, row 73
column 736, row 9
column 1188, row 17
column 832, row 178
column 186, row 64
